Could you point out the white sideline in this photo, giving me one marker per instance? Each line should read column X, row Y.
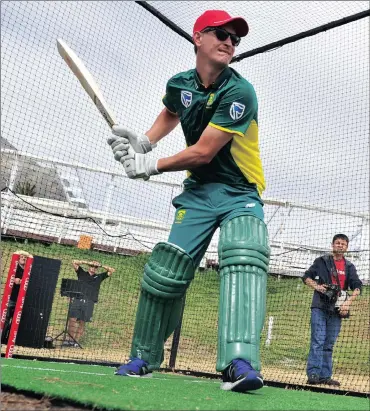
column 95, row 373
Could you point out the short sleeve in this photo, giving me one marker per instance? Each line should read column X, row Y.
column 168, row 98
column 236, row 110
column 103, row 276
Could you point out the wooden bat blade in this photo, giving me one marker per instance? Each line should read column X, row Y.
column 87, row 81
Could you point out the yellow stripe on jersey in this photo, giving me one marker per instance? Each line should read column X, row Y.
column 246, row 154
column 239, row 133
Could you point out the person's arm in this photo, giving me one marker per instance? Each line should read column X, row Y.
column 110, row 270
column 309, row 276
column 313, row 284
column 209, row 144
column 162, row 126
column 344, row 308
column 355, row 284
column 77, row 263
column 126, row 139
column 355, row 294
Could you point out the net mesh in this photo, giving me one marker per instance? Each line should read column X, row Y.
column 65, row 198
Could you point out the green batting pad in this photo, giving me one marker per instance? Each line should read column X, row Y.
column 244, row 257
column 167, row 275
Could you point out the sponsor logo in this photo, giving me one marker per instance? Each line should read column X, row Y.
column 3, row 317
column 210, row 101
column 236, row 110
column 250, row 205
column 11, row 282
column 180, row 215
column 18, row 319
column 11, row 349
column 25, row 285
column 186, row 98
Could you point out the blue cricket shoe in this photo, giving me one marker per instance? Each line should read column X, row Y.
column 240, row 376
column 134, row 368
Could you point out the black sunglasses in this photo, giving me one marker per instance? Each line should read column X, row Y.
column 223, row 35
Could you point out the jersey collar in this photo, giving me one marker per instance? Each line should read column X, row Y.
column 220, row 81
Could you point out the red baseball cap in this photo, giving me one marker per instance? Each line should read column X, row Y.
column 216, row 18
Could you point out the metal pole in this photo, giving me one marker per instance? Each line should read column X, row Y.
column 9, row 203
column 107, row 203
column 62, row 228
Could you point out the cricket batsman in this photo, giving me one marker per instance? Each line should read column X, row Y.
column 217, row 109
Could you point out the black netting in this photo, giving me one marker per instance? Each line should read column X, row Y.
column 64, row 198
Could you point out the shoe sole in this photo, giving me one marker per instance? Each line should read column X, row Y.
column 150, row 375
column 243, row 385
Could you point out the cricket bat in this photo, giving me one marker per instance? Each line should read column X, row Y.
column 87, row 81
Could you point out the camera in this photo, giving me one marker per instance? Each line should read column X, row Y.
column 332, row 292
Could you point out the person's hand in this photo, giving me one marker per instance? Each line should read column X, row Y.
column 139, row 142
column 124, row 138
column 320, row 288
column 119, row 146
column 344, row 308
column 139, row 165
column 17, row 281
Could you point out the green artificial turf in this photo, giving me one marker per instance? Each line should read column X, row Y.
column 288, row 302
column 97, row 386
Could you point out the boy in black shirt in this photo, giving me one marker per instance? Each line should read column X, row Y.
column 82, row 308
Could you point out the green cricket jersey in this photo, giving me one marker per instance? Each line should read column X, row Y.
column 229, row 104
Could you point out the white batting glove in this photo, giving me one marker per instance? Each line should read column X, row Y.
column 139, row 165
column 139, row 142
column 119, row 146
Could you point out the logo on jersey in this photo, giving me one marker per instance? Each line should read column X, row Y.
column 210, row 101
column 180, row 216
column 186, row 98
column 236, row 110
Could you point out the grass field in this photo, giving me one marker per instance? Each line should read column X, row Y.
column 97, row 386
column 108, row 336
